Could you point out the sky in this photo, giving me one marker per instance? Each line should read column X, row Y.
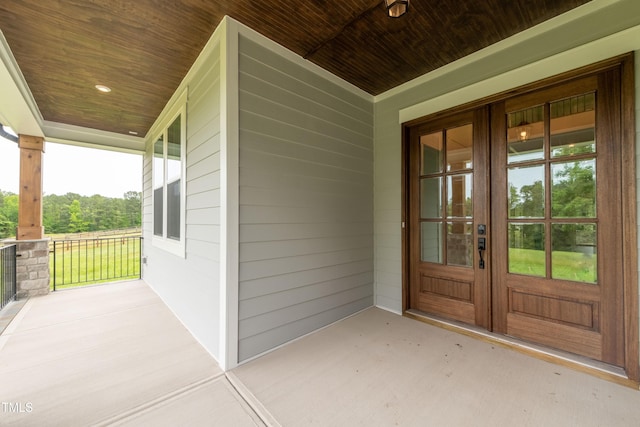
column 71, row 169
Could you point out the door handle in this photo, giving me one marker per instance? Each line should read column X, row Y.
column 482, row 243
column 482, row 246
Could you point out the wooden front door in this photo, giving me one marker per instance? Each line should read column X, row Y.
column 557, row 211
column 515, row 213
column 448, row 186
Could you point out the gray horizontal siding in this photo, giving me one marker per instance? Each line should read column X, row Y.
column 301, row 326
column 252, row 251
column 287, row 281
column 306, row 201
column 279, row 71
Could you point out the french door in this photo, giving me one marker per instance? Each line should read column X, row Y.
column 514, row 217
column 448, row 215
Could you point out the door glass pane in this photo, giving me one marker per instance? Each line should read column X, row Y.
column 459, row 148
column 574, row 252
column 431, row 197
column 573, row 189
column 431, row 242
column 431, row 153
column 525, row 135
column 460, row 243
column 526, row 192
column 459, row 200
column 526, row 249
column 573, row 126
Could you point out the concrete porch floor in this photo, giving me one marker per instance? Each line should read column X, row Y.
column 115, row 355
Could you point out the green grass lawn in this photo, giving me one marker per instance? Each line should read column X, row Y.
column 572, row 266
column 91, row 261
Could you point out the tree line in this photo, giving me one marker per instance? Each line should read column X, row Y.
column 573, row 195
column 73, row 213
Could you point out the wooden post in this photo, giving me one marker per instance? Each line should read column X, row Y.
column 30, row 204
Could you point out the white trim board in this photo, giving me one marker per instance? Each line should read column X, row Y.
column 229, row 195
column 93, row 138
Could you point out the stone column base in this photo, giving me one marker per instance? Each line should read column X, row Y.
column 32, row 268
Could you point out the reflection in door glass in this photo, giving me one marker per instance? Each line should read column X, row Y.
column 431, row 153
column 460, row 247
column 459, row 200
column 526, row 249
column 431, row 197
column 574, row 252
column 573, row 122
column 573, row 189
column 431, row 242
column 526, row 192
column 525, row 135
column 459, row 148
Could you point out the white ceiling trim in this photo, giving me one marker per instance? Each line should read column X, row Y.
column 86, row 137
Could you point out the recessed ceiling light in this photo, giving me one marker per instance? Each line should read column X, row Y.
column 103, row 88
column 133, row 132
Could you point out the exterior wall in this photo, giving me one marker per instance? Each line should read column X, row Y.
column 493, row 70
column 306, row 200
column 190, row 285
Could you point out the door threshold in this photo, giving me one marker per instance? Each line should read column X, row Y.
column 592, row 367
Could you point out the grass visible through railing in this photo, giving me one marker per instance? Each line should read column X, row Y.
column 79, row 262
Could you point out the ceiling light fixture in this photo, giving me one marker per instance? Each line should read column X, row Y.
column 396, row 8
column 103, row 88
column 523, row 130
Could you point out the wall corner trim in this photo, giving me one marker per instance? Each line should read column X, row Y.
column 229, row 197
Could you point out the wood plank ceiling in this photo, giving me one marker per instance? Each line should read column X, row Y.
column 142, row 49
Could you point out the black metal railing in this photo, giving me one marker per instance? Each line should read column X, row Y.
column 7, row 274
column 88, row 261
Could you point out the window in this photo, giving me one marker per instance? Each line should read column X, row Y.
column 168, row 185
